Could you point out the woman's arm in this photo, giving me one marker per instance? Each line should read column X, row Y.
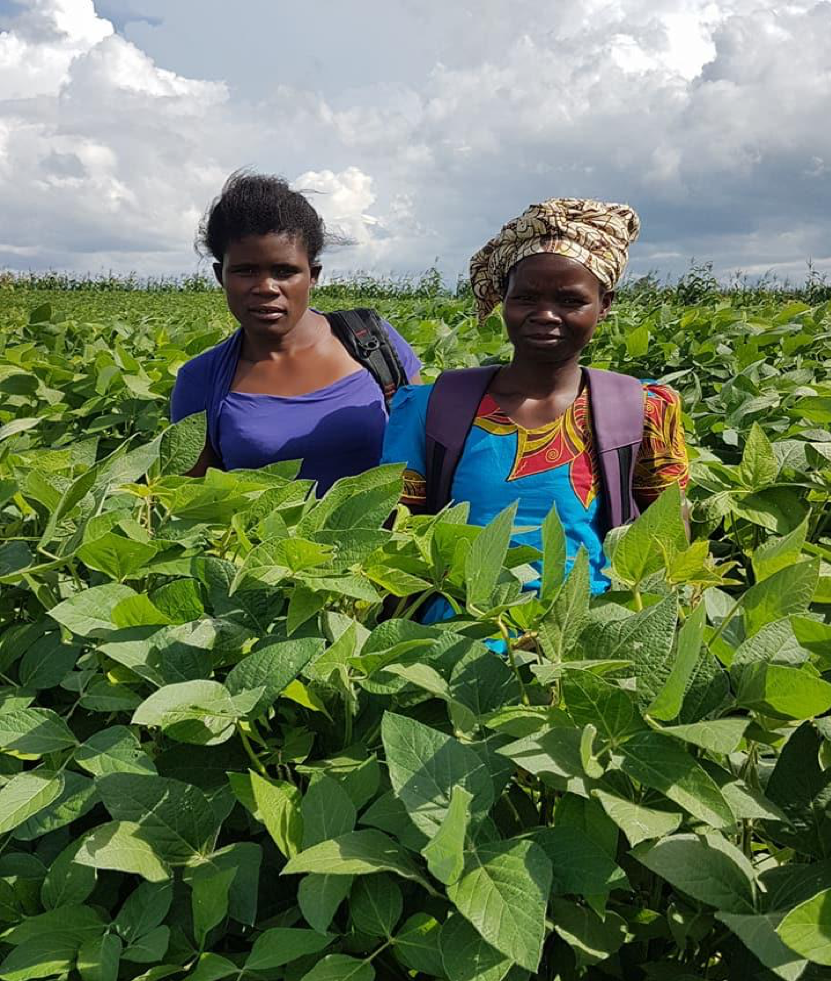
column 190, row 396
column 404, row 442
column 410, row 361
column 207, row 458
column 662, row 458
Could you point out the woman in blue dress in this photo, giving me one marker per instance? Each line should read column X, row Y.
column 283, row 386
column 554, row 270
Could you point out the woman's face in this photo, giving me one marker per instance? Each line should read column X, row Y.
column 267, row 279
column 552, row 306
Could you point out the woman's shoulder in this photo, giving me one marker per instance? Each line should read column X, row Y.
column 201, row 364
column 660, row 393
column 411, row 399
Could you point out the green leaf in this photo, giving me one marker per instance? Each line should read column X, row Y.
column 445, row 851
column 278, row 803
column 376, row 904
column 42, row 957
column 340, row 967
column 75, row 923
column 89, row 613
column 364, row 501
column 759, row 467
column 581, row 864
column 637, row 822
column 34, row 731
column 143, row 910
column 425, row 765
column 113, row 750
column 467, row 956
column 707, row 867
column 486, row 557
column 481, row 681
column 591, row 938
column 67, row 882
column 76, row 799
column 651, row 541
column 18, row 426
column 47, row 662
column 25, row 795
column 800, row 787
column 355, row 853
column 417, row 944
column 118, row 557
column 209, row 899
column 592, row 700
column 758, row 934
column 200, row 712
column 503, row 893
column 562, row 625
column 138, row 611
column 272, row 668
column 659, row 762
column 319, row 896
column 245, row 858
column 779, row 553
column 807, row 929
column 210, row 967
column 119, row 845
column 281, row 945
column 783, row 593
column 554, row 549
column 327, row 811
column 669, row 698
column 555, row 753
column 176, row 818
column 783, row 692
column 717, row 736
column 98, row 958
column 182, row 443
column 150, row 948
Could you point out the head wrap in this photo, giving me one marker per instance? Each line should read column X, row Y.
column 594, row 233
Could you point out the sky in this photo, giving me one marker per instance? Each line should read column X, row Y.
column 417, row 126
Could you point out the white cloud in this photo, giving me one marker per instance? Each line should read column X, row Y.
column 423, row 125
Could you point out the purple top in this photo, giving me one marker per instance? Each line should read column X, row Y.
column 337, row 431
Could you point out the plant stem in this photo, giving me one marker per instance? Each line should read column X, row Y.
column 249, row 749
column 636, row 596
column 730, row 614
column 506, row 636
column 420, row 600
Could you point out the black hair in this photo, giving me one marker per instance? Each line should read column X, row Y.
column 258, row 204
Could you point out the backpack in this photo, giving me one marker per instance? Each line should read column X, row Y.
column 617, row 409
column 364, row 336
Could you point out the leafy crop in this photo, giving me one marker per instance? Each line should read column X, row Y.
column 228, row 749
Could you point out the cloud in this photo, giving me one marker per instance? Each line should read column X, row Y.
column 422, row 127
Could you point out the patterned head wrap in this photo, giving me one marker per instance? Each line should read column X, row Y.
column 593, row 233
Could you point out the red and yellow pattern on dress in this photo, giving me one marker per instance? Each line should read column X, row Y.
column 567, row 441
column 662, row 458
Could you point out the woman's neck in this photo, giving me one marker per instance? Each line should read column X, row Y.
column 540, row 380
column 309, row 330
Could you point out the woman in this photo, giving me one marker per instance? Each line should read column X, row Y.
column 532, row 435
column 284, row 386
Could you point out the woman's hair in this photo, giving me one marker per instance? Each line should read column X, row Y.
column 258, row 204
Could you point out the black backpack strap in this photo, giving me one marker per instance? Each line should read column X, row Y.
column 451, row 409
column 364, row 336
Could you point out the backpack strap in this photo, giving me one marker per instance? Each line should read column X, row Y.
column 617, row 410
column 365, row 337
column 451, row 409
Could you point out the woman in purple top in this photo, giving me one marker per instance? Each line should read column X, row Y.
column 283, row 387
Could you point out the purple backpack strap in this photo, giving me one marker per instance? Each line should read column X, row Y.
column 617, row 410
column 451, row 410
